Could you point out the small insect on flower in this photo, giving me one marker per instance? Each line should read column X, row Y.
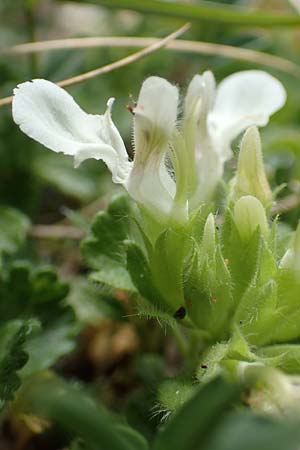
column 130, row 109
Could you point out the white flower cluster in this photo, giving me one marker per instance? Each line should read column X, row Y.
column 197, row 149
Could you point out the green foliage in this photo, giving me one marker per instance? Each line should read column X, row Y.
column 254, row 432
column 13, row 230
column 108, row 232
column 28, row 293
column 242, row 255
column 208, row 287
column 104, row 249
column 167, row 264
column 287, row 356
column 91, row 303
column 192, row 424
column 71, row 407
column 13, row 338
column 213, row 280
column 207, row 421
column 141, row 276
column 172, row 394
column 48, row 346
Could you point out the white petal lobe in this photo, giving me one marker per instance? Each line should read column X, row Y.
column 244, row 99
column 156, row 112
column 154, row 121
column 49, row 115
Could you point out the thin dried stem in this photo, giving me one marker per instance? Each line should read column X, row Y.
column 5, row 101
column 185, row 46
column 154, row 46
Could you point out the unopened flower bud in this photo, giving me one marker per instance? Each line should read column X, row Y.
column 251, row 176
column 249, row 214
column 209, row 236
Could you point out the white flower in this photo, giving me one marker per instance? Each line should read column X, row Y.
column 212, row 119
column 48, row 114
column 154, row 122
column 215, row 116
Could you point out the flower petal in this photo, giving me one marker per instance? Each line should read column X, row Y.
column 147, row 185
column 200, row 96
column 205, row 167
column 244, row 99
column 155, row 114
column 154, row 121
column 49, row 115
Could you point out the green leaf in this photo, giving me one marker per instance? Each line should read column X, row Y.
column 208, row 292
column 47, row 347
column 130, row 436
column 197, row 222
column 104, row 249
column 285, row 356
column 197, row 419
column 36, row 293
column 243, row 257
column 173, row 394
column 210, row 366
column 141, row 276
column 206, row 12
column 255, row 433
column 167, row 264
column 27, row 292
column 70, row 407
column 256, row 313
column 13, row 337
column 286, row 327
column 156, row 312
column 115, row 276
column 14, row 227
column 91, row 305
column 257, row 309
column 225, row 355
column 108, row 231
